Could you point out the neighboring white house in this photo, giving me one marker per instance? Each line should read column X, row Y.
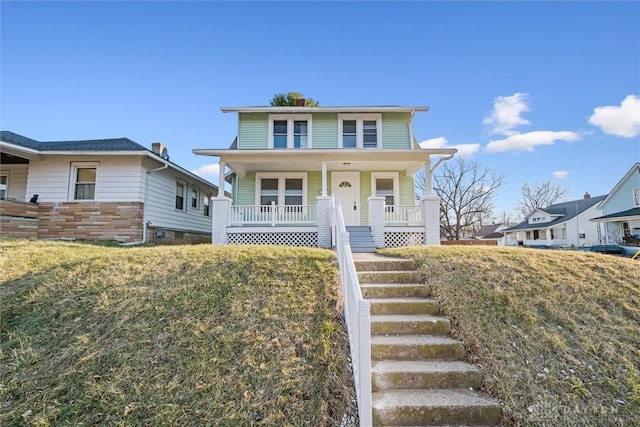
column 566, row 224
column 289, row 164
column 620, row 220
column 108, row 189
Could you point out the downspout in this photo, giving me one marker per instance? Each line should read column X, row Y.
column 428, row 174
column 146, row 199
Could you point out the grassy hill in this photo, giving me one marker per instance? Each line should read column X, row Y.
column 556, row 333
column 185, row 335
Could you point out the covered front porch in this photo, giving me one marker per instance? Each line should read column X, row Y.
column 287, row 196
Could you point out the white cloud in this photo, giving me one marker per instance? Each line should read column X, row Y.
column 506, row 114
column 464, row 150
column 560, row 174
column 207, row 171
column 527, row 141
column 620, row 121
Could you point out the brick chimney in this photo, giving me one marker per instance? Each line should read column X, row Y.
column 300, row 102
column 587, row 196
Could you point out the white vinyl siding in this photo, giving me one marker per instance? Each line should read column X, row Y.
column 17, row 181
column 161, row 211
column 119, row 178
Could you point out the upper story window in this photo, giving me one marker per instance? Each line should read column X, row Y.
column 83, row 180
column 360, row 130
column 4, row 184
column 181, row 190
column 290, row 130
column 636, row 196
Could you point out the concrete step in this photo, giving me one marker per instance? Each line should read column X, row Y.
column 434, row 407
column 394, row 290
column 363, row 250
column 418, row 374
column 407, row 305
column 415, row 347
column 390, row 265
column 396, row 276
column 410, row 324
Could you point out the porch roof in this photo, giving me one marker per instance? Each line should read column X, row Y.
column 243, row 161
column 628, row 215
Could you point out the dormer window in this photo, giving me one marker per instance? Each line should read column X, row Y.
column 360, row 130
column 290, row 131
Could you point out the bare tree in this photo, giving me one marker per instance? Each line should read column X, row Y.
column 466, row 191
column 538, row 196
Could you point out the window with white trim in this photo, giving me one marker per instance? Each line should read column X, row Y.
column 181, row 193
column 636, row 196
column 290, row 131
column 360, row 130
column 286, row 189
column 386, row 184
column 206, row 200
column 83, row 180
column 4, row 184
column 195, row 196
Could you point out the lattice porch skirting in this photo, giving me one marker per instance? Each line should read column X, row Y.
column 286, row 238
column 395, row 239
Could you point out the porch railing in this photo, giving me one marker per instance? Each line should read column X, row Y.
column 357, row 316
column 405, row 215
column 273, row 214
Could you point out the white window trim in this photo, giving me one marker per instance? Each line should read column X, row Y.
column 360, row 118
column 6, row 184
column 281, row 184
column 184, row 195
column 73, row 174
column 194, row 187
column 206, row 201
column 290, row 118
column 635, row 193
column 387, row 175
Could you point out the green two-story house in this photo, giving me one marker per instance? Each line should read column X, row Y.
column 290, row 166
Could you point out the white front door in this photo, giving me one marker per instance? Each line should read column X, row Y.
column 346, row 187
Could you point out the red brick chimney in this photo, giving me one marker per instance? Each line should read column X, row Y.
column 300, row 102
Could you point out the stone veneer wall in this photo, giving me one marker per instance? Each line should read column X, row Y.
column 18, row 219
column 119, row 221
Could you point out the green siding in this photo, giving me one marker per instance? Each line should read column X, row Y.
column 395, row 130
column 407, row 191
column 253, row 131
column 314, row 186
column 365, row 193
column 247, row 189
column 325, row 131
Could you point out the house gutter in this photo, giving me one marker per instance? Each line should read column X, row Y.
column 428, row 173
column 146, row 199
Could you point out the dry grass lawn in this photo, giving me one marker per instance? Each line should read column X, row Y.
column 556, row 333
column 184, row 335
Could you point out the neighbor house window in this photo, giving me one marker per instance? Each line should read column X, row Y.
column 83, row 180
column 360, row 130
column 636, row 196
column 385, row 184
column 290, row 130
column 181, row 189
column 206, row 200
column 195, row 195
column 281, row 188
column 4, row 184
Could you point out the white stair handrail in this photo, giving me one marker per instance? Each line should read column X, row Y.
column 357, row 315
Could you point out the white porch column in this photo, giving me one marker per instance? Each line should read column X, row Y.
column 428, row 177
column 431, row 219
column 324, row 179
column 221, row 180
column 548, row 236
column 376, row 220
column 220, row 212
column 323, row 221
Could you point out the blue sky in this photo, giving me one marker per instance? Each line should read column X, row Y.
column 535, row 90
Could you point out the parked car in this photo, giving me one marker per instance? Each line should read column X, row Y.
column 612, row 250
